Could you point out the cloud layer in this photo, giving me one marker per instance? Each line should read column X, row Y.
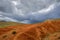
column 29, row 11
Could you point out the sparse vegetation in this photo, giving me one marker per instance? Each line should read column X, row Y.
column 6, row 24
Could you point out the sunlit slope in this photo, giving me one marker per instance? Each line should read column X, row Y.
column 8, row 26
column 39, row 31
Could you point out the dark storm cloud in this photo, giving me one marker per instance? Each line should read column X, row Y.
column 29, row 11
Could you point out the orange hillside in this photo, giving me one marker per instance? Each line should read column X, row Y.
column 36, row 31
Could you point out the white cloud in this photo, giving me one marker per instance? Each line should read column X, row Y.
column 15, row 2
column 7, row 19
column 51, row 7
column 45, row 10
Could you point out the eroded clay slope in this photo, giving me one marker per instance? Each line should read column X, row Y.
column 30, row 31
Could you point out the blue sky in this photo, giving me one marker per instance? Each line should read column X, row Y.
column 29, row 11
